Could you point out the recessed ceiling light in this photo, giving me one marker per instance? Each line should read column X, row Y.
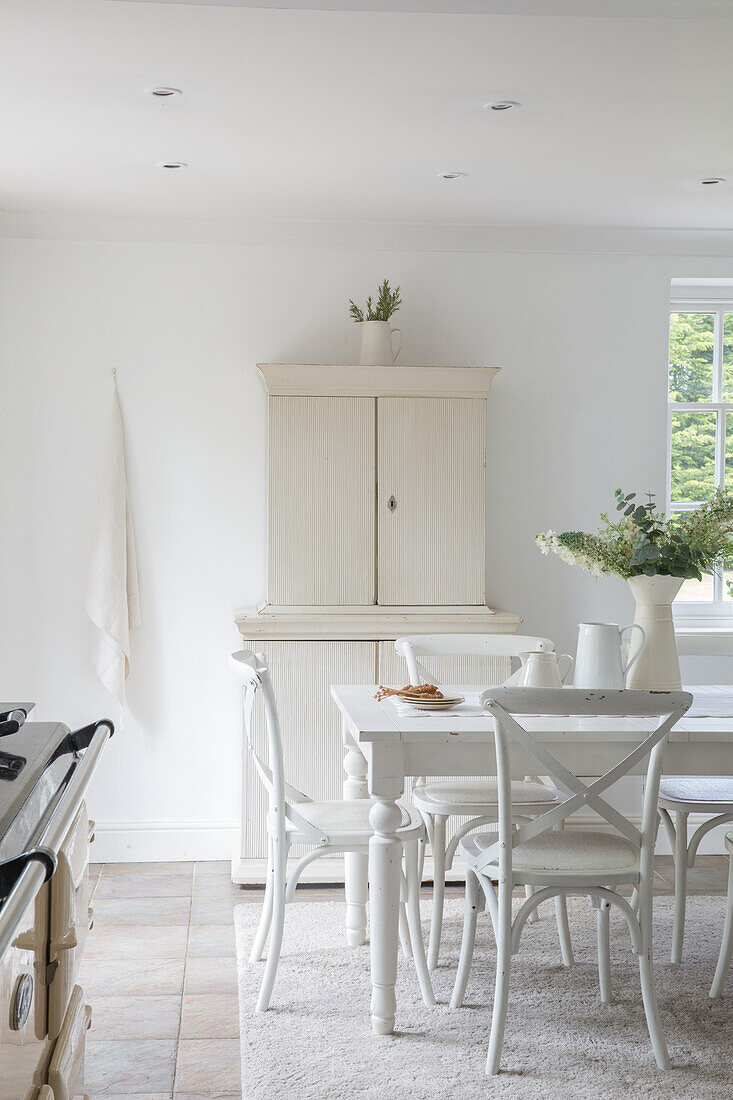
column 451, row 175
column 712, row 180
column 501, row 105
column 172, row 164
column 164, row 93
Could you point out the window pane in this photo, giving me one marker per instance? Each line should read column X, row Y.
column 729, row 451
column 693, row 591
column 728, row 357
column 727, row 579
column 693, row 456
column 691, row 344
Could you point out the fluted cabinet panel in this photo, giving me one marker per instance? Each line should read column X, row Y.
column 302, row 674
column 321, row 529
column 431, row 507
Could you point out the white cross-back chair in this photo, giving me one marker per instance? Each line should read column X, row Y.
column 726, row 947
column 573, row 861
column 476, row 799
column 327, row 827
column 680, row 796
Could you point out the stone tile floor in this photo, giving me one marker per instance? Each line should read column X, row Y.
column 160, row 974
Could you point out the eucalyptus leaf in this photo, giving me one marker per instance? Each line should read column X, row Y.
column 643, row 541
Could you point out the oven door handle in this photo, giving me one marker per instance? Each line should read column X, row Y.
column 12, row 869
column 97, row 735
column 81, row 739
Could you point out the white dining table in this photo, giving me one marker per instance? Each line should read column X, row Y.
column 384, row 746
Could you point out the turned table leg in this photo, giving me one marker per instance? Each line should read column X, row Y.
column 385, row 856
column 356, row 864
column 386, row 780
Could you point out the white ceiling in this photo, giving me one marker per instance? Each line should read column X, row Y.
column 349, row 115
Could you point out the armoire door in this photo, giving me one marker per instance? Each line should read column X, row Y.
column 431, row 500
column 321, row 528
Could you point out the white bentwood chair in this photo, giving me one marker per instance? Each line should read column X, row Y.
column 477, row 799
column 682, row 796
column 571, row 862
column 726, row 947
column 332, row 826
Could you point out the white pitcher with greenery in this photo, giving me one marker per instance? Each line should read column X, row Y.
column 376, row 335
column 655, row 555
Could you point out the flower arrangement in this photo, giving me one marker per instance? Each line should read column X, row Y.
column 643, row 542
column 387, row 304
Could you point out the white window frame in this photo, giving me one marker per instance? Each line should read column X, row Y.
column 716, row 612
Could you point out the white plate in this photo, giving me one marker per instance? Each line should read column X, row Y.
column 435, row 704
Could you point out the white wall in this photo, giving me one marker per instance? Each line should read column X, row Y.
column 578, row 409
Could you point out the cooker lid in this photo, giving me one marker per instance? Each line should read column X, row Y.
column 36, row 762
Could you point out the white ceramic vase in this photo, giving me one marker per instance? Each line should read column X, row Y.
column 376, row 343
column 658, row 666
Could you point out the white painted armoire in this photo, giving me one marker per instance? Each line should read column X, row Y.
column 376, row 528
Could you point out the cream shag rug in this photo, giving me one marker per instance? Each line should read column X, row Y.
column 315, row 1043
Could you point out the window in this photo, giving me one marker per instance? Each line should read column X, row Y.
column 700, row 429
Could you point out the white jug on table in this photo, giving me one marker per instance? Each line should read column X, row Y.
column 540, row 670
column 600, row 661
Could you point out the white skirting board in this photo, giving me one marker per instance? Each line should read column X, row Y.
column 163, row 841
column 156, row 841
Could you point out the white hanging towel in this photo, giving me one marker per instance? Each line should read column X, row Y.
column 113, row 599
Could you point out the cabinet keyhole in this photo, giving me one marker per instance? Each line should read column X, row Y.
column 391, row 504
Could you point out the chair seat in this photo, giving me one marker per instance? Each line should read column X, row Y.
column 476, row 796
column 714, row 792
column 340, row 818
column 555, row 853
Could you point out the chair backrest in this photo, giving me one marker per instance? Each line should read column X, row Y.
column 511, row 736
column 254, row 675
column 414, row 646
